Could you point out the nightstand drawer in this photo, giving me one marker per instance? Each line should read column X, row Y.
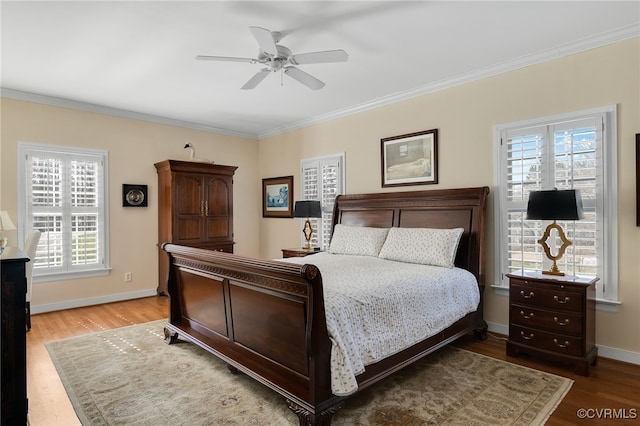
column 560, row 343
column 553, row 321
column 536, row 295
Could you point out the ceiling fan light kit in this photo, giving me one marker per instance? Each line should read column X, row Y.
column 279, row 58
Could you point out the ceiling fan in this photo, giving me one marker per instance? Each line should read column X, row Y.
column 279, row 58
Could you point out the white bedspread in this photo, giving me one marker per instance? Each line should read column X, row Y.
column 376, row 308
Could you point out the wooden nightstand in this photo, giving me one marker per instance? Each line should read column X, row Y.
column 553, row 317
column 299, row 252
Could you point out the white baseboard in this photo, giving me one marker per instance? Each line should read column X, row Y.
column 78, row 303
column 498, row 328
column 603, row 351
column 619, row 354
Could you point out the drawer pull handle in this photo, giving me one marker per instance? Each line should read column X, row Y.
column 562, row 302
column 525, row 316
column 527, row 296
column 561, row 345
column 529, row 337
column 562, row 323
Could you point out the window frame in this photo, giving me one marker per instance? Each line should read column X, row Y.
column 607, row 287
column 319, row 225
column 25, row 150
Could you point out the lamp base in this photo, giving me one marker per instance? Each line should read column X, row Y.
column 308, row 234
column 565, row 243
column 557, row 273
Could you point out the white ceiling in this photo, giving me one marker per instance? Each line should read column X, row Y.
column 136, row 58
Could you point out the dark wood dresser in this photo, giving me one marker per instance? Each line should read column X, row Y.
column 14, row 337
column 195, row 208
column 553, row 317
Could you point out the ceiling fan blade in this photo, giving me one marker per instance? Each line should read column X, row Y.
column 265, row 40
column 256, row 79
column 225, row 59
column 307, row 79
column 320, row 57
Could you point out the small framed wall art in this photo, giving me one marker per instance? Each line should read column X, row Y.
column 134, row 195
column 410, row 159
column 277, row 200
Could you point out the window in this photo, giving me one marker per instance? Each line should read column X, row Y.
column 573, row 151
column 322, row 179
column 62, row 193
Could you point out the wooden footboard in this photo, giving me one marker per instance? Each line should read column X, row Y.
column 267, row 318
column 264, row 318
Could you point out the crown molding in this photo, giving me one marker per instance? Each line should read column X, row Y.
column 592, row 42
column 100, row 109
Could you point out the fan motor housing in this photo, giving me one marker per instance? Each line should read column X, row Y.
column 275, row 62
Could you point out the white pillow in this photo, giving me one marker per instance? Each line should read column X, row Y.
column 427, row 246
column 357, row 240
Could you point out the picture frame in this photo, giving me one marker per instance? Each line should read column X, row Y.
column 637, row 179
column 134, row 195
column 277, row 197
column 410, row 159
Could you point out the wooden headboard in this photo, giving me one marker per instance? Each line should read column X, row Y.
column 444, row 208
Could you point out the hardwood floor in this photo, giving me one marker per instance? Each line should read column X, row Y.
column 48, row 402
column 611, row 391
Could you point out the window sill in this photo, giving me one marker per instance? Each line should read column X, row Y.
column 500, row 290
column 604, row 305
column 63, row 276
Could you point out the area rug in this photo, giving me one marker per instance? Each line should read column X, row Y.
column 129, row 376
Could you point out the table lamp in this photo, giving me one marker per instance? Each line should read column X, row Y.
column 307, row 209
column 554, row 205
column 6, row 224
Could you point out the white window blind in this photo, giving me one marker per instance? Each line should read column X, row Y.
column 568, row 152
column 64, row 197
column 322, row 179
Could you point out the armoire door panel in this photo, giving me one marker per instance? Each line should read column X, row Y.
column 188, row 195
column 188, row 230
column 218, row 228
column 218, row 201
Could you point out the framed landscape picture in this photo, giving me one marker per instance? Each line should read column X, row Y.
column 410, row 159
column 277, row 197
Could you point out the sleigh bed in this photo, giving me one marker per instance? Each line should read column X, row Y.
column 267, row 318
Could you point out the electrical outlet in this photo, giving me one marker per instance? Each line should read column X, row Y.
column 127, row 276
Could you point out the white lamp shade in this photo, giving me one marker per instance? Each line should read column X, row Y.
column 6, row 224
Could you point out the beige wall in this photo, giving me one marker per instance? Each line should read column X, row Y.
column 465, row 116
column 133, row 146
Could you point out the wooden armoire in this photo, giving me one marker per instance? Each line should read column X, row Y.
column 195, row 208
